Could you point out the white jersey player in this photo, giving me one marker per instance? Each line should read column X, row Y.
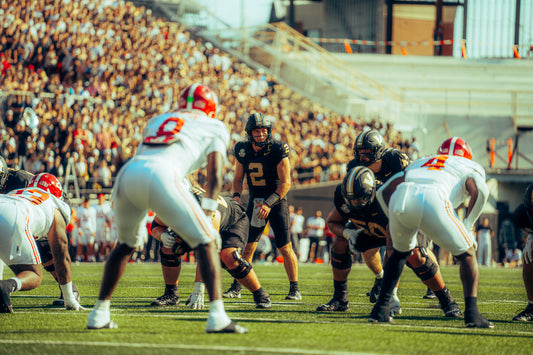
column 174, row 145
column 86, row 219
column 29, row 214
column 104, row 216
column 424, row 197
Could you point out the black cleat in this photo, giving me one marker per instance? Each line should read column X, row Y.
column 476, row 320
column 430, row 295
column 166, row 300
column 526, row 315
column 451, row 310
column 334, row 305
column 294, row 295
column 380, row 314
column 233, row 292
column 263, row 301
column 374, row 292
column 5, row 300
column 230, row 328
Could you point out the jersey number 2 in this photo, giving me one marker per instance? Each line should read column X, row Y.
column 256, row 174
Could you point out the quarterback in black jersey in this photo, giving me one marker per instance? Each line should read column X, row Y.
column 231, row 221
column 523, row 217
column 13, row 179
column 265, row 162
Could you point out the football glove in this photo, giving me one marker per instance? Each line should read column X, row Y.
column 527, row 253
column 196, row 298
column 71, row 304
column 168, row 240
column 351, row 235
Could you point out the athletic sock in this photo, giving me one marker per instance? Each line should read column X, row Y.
column 217, row 318
column 294, row 286
column 341, row 290
column 171, row 290
column 380, row 275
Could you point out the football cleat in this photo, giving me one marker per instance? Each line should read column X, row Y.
column 476, row 320
column 334, row 305
column 100, row 319
column 230, row 328
column 526, row 315
column 451, row 310
column 395, row 307
column 109, row 325
column 294, row 295
column 166, row 300
column 380, row 314
column 232, row 293
column 5, row 300
column 430, row 295
column 263, row 301
column 374, row 292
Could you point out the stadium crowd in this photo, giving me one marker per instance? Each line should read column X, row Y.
column 95, row 71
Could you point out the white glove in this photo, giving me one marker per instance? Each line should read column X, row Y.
column 196, row 298
column 71, row 304
column 167, row 240
column 527, row 252
column 351, row 235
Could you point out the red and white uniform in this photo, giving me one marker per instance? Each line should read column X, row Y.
column 86, row 225
column 174, row 145
column 433, row 187
column 103, row 222
column 27, row 215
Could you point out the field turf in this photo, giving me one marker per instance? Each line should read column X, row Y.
column 289, row 327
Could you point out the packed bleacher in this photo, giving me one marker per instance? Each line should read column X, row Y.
column 95, row 71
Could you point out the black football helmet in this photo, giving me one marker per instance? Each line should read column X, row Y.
column 4, row 173
column 528, row 198
column 372, row 140
column 359, row 187
column 258, row 120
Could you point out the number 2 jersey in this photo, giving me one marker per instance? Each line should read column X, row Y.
column 261, row 167
column 39, row 206
column 183, row 138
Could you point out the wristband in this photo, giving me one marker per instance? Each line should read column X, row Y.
column 209, row 204
column 272, row 199
column 236, row 194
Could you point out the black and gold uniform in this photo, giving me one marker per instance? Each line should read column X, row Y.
column 261, row 173
column 392, row 161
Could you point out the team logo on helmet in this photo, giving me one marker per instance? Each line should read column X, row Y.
column 47, row 182
column 359, row 187
column 199, row 97
column 372, row 141
column 455, row 146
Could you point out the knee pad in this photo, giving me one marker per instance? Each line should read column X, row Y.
column 170, row 260
column 341, row 261
column 426, row 271
column 243, row 269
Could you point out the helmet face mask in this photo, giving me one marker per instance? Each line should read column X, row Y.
column 359, row 187
column 47, row 182
column 199, row 97
column 455, row 146
column 257, row 121
column 368, row 147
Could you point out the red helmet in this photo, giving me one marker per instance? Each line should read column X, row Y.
column 47, row 182
column 455, row 146
column 199, row 97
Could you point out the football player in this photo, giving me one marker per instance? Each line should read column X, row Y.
column 231, row 221
column 423, row 197
column 265, row 162
column 13, row 179
column 174, row 145
column 29, row 214
column 355, row 202
column 523, row 217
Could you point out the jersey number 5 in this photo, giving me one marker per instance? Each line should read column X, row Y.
column 167, row 132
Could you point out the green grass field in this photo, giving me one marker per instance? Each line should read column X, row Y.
column 289, row 328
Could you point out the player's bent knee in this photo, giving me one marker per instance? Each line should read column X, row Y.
column 243, row 269
column 341, row 261
column 425, row 272
column 169, row 260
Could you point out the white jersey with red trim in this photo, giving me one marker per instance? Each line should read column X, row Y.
column 86, row 219
column 184, row 138
column 39, row 206
column 448, row 172
column 103, row 214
